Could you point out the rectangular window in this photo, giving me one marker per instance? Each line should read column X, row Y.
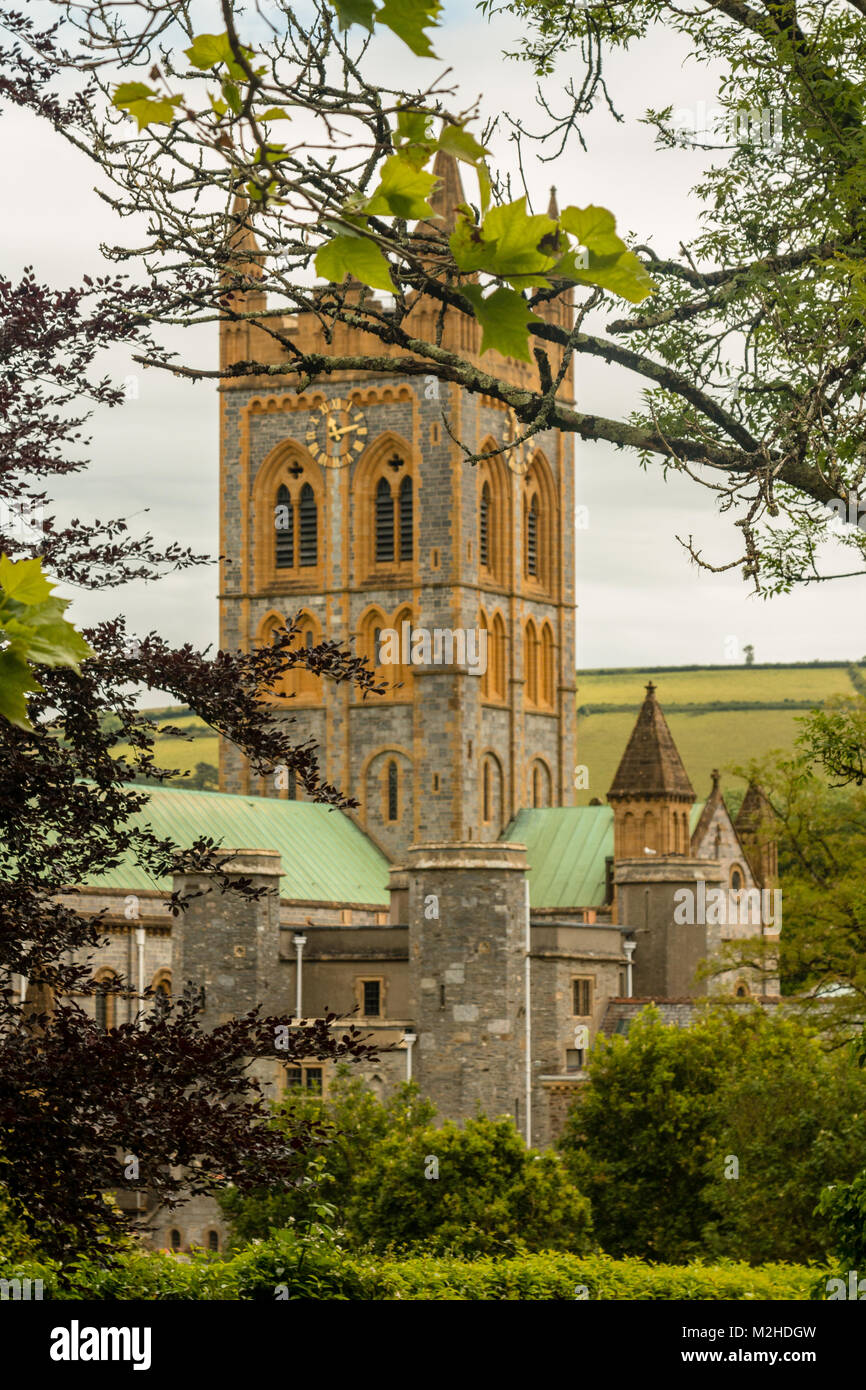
column 581, row 1005
column 372, row 998
column 304, row 1078
column 574, row 1059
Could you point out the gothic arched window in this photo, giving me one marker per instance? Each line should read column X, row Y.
column 296, row 681
column 384, row 523
column 540, row 568
column 308, row 515
column 491, row 791
column 393, row 792
column 532, row 537
column 104, row 1004
column 540, row 784
column 494, row 492
column 406, row 519
column 161, row 986
column 547, row 680
column 484, row 549
column 530, row 660
column 289, row 507
column 284, row 529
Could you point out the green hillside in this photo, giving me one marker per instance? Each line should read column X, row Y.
column 718, row 715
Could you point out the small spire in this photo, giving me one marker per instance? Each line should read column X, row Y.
column 651, row 765
column 448, row 193
column 553, row 206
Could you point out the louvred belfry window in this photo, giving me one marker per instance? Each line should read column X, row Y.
column 308, row 527
column 484, row 527
column 532, row 538
column 406, row 519
column 384, row 523
column 284, row 526
column 393, row 791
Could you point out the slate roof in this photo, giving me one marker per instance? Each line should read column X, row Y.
column 651, row 764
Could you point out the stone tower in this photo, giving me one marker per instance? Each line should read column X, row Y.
column 652, row 798
column 467, row 913
column 351, row 505
column 754, row 826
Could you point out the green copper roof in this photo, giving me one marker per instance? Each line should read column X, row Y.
column 325, row 857
column 566, row 847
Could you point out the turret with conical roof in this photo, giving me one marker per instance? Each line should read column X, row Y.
column 753, row 826
column 651, row 793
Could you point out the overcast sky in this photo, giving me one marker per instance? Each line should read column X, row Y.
column 641, row 602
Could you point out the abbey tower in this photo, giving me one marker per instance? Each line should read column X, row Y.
column 351, row 504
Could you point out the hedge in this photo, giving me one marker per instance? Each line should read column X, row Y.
column 277, row 1269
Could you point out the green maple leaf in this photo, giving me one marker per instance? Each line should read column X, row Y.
column 610, row 265
column 516, row 235
column 505, row 318
column 402, row 190
column 506, row 244
column 595, row 228
column 354, row 12
column 209, row 50
column 352, row 255
column 625, row 276
column 413, row 137
column 147, row 106
column 459, row 142
column 17, row 681
column 32, row 628
column 408, row 19
column 23, row 580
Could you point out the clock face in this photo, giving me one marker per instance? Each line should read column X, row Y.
column 337, row 433
column 517, row 456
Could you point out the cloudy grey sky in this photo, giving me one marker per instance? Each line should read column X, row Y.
column 641, row 602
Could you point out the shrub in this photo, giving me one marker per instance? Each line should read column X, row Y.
column 287, row 1267
column 470, row 1190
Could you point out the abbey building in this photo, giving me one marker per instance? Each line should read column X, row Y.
column 482, row 926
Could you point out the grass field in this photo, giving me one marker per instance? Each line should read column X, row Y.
column 769, row 685
column 706, row 738
column 705, row 741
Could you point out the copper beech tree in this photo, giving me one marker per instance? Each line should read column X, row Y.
column 78, row 1103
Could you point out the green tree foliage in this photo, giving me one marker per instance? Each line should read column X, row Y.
column 373, row 1173
column 637, row 1143
column 763, row 309
column 746, row 338
column 492, row 1195
column 350, row 1122
column 794, row 1117
column 649, row 1142
column 843, row 1207
column 512, row 248
column 816, row 812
